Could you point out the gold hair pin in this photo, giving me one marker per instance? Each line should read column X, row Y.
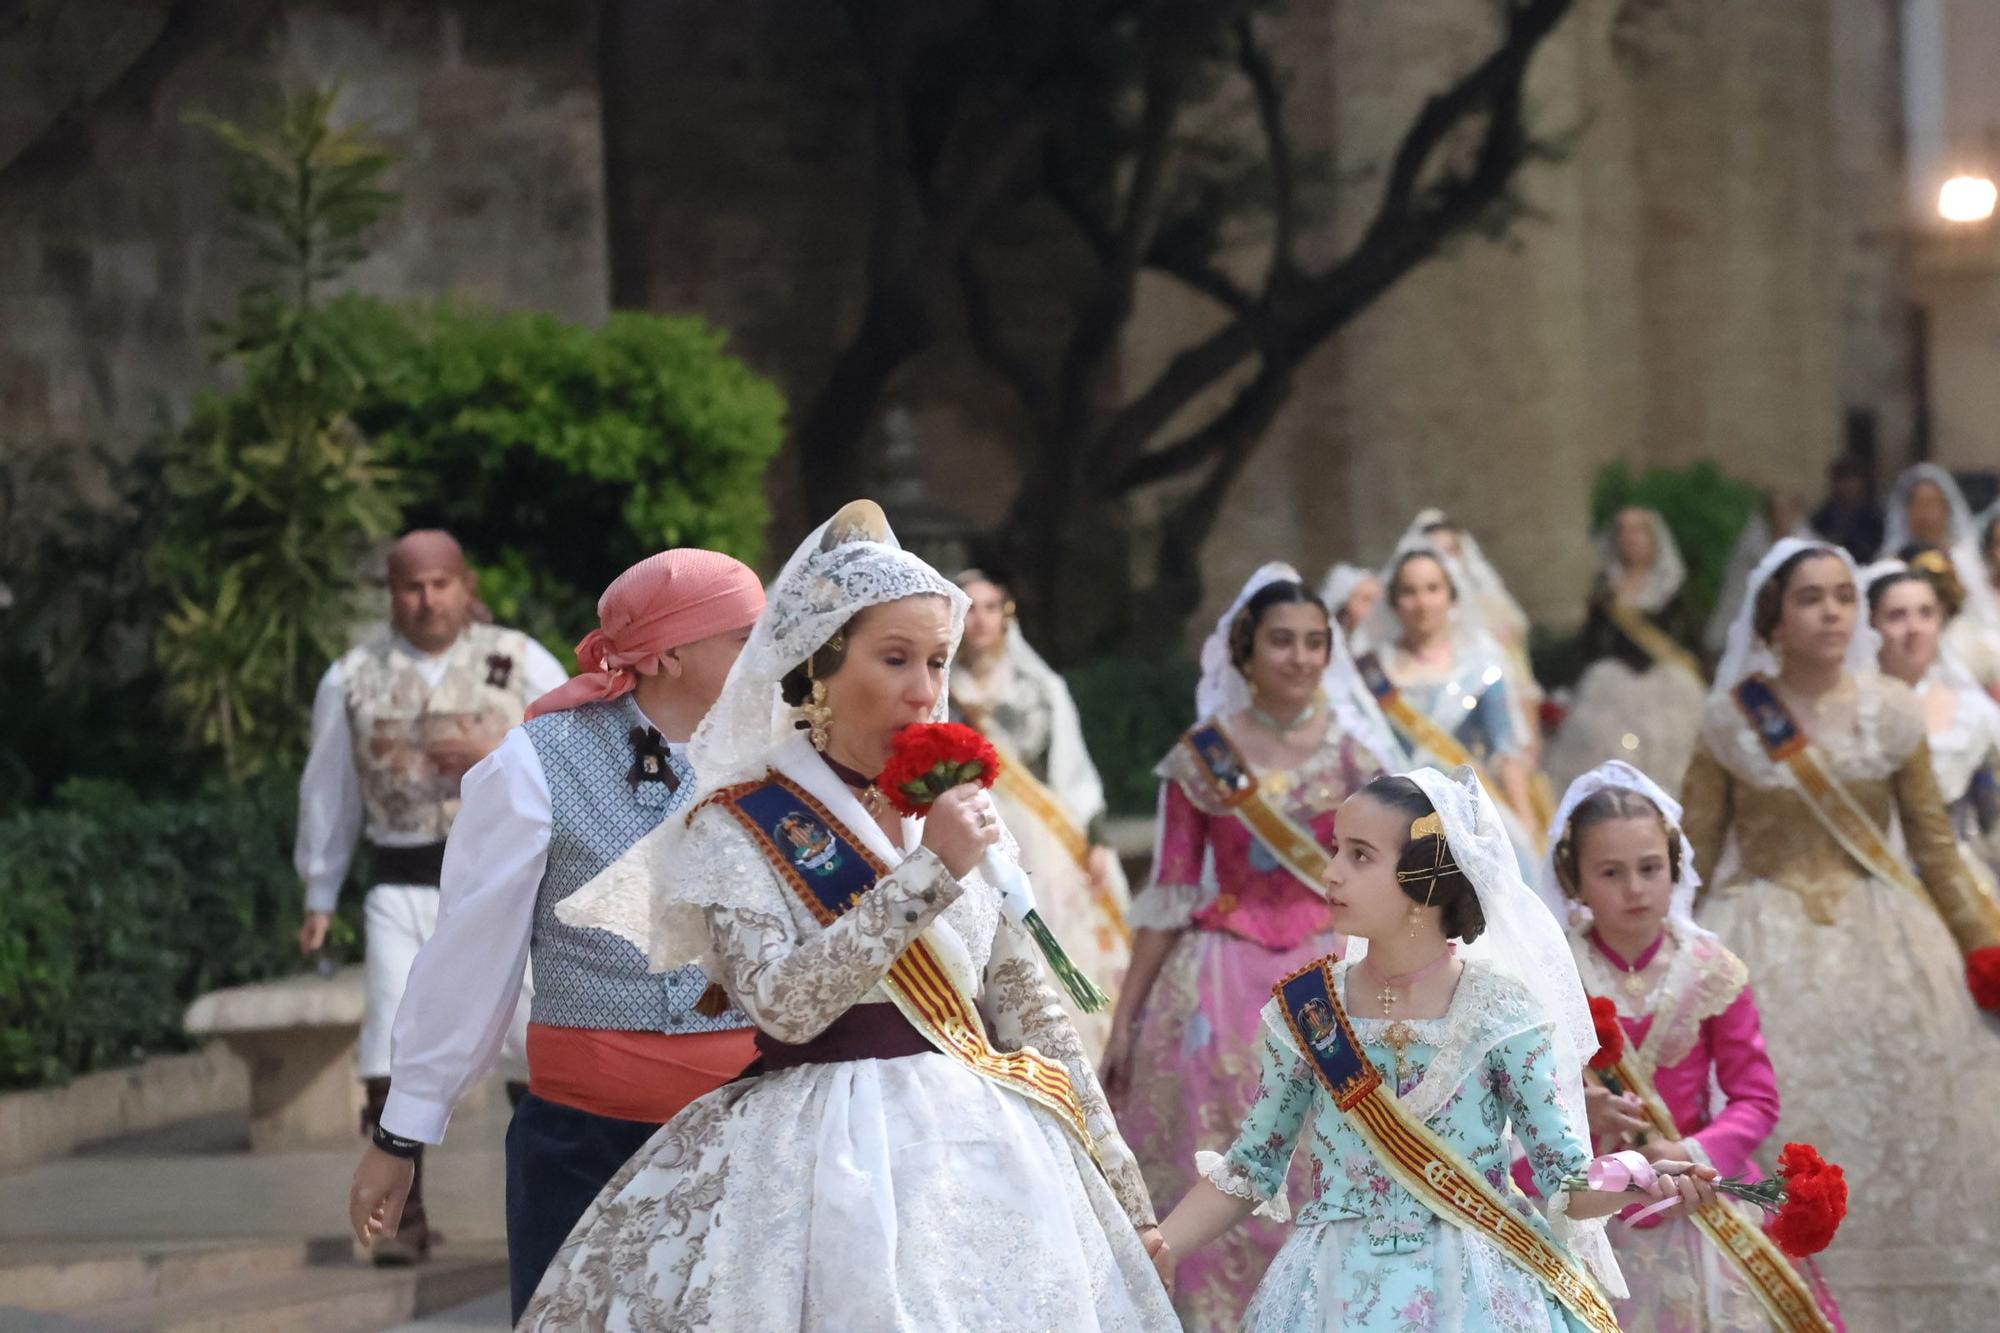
column 1431, row 825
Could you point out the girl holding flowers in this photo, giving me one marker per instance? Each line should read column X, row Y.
column 1456, row 1017
column 1682, row 1073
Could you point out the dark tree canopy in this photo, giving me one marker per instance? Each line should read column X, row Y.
column 1090, row 111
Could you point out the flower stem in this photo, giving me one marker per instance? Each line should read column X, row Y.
column 1081, row 988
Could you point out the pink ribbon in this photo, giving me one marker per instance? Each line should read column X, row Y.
column 1618, row 1172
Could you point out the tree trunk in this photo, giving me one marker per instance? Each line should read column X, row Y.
column 833, row 436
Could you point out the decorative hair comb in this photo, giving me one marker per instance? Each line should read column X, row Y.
column 1431, row 825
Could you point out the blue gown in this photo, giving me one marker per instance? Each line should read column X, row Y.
column 1365, row 1254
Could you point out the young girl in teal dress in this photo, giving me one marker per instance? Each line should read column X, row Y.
column 1460, row 990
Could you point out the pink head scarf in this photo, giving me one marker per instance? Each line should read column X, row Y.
column 661, row 603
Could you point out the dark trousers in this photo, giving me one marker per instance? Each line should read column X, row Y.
column 558, row 1159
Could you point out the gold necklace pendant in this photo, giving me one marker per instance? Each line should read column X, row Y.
column 874, row 802
column 1635, row 984
column 1398, row 1038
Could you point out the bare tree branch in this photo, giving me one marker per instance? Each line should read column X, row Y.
column 1264, row 85
column 1408, row 227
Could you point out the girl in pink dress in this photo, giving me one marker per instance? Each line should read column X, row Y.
column 1621, row 863
column 1247, row 800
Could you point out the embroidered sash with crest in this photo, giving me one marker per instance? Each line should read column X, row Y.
column 1651, row 640
column 829, row 872
column 1234, row 785
column 1780, row 1288
column 1420, row 1161
column 1787, row 746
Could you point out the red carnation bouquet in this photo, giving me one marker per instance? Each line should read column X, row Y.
column 927, row 760
column 1982, row 975
column 1610, row 1033
column 1610, row 1044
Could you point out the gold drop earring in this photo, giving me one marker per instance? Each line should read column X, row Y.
column 816, row 711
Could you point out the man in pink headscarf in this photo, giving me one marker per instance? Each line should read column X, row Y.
column 614, row 1051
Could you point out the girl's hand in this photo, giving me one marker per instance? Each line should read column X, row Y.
column 1692, row 1184
column 1665, row 1150
column 1165, row 1263
column 1615, row 1121
column 1115, row 1067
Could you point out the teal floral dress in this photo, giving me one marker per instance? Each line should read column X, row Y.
column 1366, row 1255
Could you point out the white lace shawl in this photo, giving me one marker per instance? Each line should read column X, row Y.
column 1071, row 774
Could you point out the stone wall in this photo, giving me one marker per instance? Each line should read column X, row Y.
column 113, row 241
column 1712, row 271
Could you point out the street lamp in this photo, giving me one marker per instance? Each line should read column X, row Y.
column 1967, row 199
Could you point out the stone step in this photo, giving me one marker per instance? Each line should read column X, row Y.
column 65, row 1276
column 346, row 1297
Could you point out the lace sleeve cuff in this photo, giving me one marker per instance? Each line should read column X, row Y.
column 1239, row 1182
column 1165, row 907
column 1587, row 1243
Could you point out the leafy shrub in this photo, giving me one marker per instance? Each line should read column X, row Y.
column 273, row 497
column 116, row 913
column 559, row 454
column 1133, row 710
column 1704, row 507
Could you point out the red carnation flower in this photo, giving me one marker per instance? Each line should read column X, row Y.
column 1982, row 975
column 1815, row 1201
column 1610, row 1033
column 928, row 759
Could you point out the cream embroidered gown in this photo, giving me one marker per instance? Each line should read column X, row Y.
column 898, row 1194
column 1883, row 1061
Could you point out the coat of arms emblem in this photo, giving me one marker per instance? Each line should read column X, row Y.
column 810, row 843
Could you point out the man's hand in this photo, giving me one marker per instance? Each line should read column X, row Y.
column 312, row 932
column 381, row 1188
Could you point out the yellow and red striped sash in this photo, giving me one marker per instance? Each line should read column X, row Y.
column 1778, row 1286
column 1418, row 1159
column 1235, row 786
column 829, row 872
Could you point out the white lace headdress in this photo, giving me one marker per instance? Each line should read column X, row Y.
column 1619, row 775
column 1745, row 653
column 1340, row 584
column 1223, row 690
column 1962, row 538
column 1523, row 942
column 1667, row 572
column 1478, row 580
column 850, row 563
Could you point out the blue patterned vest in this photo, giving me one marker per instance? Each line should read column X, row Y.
column 591, row 978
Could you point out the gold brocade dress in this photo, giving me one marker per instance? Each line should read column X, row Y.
column 1883, row 1061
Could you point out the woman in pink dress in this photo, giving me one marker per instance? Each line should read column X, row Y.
column 1694, row 1041
column 1247, row 800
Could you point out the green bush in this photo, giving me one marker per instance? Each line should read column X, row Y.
column 1704, row 507
column 559, row 454
column 272, row 497
column 1133, row 710
column 116, row 913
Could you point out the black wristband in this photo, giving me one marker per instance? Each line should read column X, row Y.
column 395, row 1145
